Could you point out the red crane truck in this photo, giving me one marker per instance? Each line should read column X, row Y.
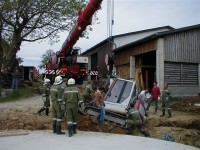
column 67, row 62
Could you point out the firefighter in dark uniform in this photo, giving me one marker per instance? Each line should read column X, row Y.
column 136, row 119
column 45, row 97
column 56, row 97
column 166, row 97
column 71, row 98
column 87, row 96
column 63, row 85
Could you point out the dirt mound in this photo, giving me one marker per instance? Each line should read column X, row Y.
column 183, row 126
column 187, row 105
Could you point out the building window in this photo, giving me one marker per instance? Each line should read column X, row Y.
column 181, row 73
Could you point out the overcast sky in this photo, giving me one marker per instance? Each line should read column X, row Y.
column 129, row 16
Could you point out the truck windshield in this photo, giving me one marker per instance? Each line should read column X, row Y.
column 119, row 92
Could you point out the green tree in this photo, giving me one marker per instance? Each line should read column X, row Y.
column 45, row 57
column 33, row 20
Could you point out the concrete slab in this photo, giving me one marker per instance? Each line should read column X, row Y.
column 45, row 140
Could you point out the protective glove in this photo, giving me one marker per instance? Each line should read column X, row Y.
column 44, row 99
column 62, row 106
column 80, row 102
column 81, row 105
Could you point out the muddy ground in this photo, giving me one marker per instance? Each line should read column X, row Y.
column 184, row 125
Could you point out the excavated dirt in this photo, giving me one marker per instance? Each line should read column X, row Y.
column 184, row 126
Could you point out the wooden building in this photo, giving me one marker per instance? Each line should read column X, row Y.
column 171, row 56
column 96, row 54
column 160, row 54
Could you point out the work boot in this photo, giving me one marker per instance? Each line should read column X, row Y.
column 58, row 130
column 47, row 111
column 169, row 112
column 129, row 131
column 163, row 113
column 74, row 128
column 142, row 130
column 70, row 130
column 41, row 110
column 54, row 127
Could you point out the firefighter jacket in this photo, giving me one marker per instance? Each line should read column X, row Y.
column 45, row 95
column 56, row 93
column 46, row 91
column 63, row 85
column 71, row 95
column 88, row 89
column 166, row 95
column 134, row 117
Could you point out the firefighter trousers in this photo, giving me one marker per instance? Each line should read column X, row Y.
column 72, row 113
column 57, row 113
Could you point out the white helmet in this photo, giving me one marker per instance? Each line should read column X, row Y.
column 46, row 81
column 71, row 81
column 58, row 80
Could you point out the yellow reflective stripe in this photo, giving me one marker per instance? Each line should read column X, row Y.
column 71, row 91
column 53, row 90
column 69, row 122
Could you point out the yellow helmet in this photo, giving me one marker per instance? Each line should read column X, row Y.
column 71, row 81
column 58, row 80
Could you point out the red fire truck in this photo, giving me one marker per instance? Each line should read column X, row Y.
column 68, row 62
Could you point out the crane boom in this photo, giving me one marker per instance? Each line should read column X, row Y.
column 84, row 19
column 67, row 62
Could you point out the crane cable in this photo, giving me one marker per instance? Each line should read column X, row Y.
column 109, row 59
column 110, row 18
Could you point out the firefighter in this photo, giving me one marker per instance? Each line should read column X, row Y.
column 136, row 119
column 71, row 98
column 166, row 97
column 87, row 96
column 45, row 97
column 56, row 97
column 63, row 85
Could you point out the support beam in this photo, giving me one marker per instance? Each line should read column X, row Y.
column 132, row 67
column 160, row 63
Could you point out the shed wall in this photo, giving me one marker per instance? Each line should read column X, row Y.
column 123, row 57
column 183, row 46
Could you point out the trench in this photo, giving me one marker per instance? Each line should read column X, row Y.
column 191, row 125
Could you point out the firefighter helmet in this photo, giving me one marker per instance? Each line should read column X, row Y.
column 58, row 80
column 71, row 81
column 46, row 81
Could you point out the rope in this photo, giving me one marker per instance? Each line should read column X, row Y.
column 168, row 137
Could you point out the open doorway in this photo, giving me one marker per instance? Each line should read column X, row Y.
column 147, row 64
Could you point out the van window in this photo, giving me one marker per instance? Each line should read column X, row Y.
column 120, row 91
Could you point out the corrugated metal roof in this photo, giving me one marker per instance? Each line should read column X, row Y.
column 125, row 34
column 157, row 35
